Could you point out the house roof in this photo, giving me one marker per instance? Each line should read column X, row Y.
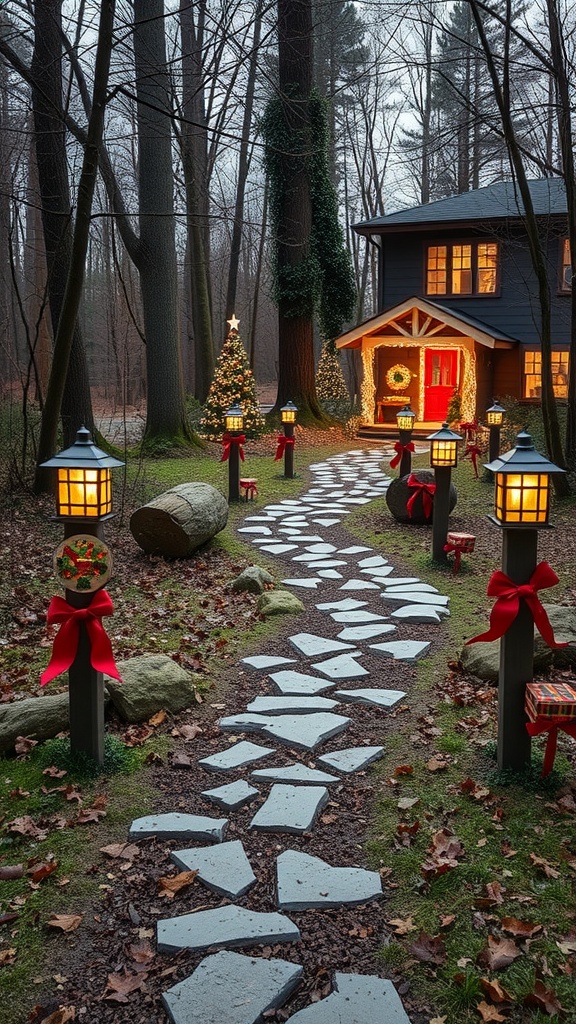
column 483, row 333
column 499, row 201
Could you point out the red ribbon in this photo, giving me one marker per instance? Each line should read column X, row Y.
column 283, row 442
column 66, row 640
column 508, row 595
column 469, row 427
column 400, row 448
column 473, row 451
column 457, row 555
column 228, row 440
column 551, row 726
column 249, row 488
column 425, row 491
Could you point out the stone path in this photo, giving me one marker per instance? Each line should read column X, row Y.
column 312, row 696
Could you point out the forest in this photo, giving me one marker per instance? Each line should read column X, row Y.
column 167, row 165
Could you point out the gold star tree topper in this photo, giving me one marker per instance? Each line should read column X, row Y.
column 233, row 323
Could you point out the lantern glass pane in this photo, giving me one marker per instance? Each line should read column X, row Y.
column 404, row 422
column 233, row 422
column 495, row 419
column 288, row 415
column 522, row 498
column 84, row 493
column 443, row 453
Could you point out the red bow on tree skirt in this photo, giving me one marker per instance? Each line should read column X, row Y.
column 425, row 491
column 66, row 640
column 228, row 440
column 551, row 726
column 473, row 451
column 283, row 442
column 508, row 596
column 400, row 449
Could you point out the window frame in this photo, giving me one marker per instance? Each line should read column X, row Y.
column 563, row 287
column 449, row 244
column 563, row 357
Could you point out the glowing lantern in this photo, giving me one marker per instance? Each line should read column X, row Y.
column 84, row 479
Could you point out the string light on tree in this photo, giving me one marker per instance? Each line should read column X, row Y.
column 233, row 384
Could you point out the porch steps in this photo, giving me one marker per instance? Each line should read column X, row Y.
column 389, row 431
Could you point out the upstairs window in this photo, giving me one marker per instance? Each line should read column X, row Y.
column 469, row 268
column 533, row 374
column 566, row 268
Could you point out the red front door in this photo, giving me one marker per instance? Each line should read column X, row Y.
column 440, row 379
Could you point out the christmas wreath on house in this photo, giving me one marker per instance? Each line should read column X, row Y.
column 398, row 377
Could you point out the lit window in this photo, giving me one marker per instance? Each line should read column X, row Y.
column 533, row 374
column 566, row 272
column 469, row 268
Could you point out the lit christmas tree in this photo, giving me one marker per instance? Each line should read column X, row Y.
column 330, row 383
column 233, row 382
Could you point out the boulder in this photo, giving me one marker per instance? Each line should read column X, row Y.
column 178, row 521
column 279, row 602
column 38, row 717
column 150, row 682
column 252, row 579
column 483, row 660
column 398, row 495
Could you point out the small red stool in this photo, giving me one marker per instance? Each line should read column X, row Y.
column 248, row 486
column 550, row 707
column 459, row 542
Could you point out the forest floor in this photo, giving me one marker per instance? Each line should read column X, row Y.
column 491, row 936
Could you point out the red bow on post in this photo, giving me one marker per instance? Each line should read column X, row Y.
column 508, row 595
column 425, row 491
column 469, row 427
column 551, row 726
column 400, row 449
column 283, row 442
column 66, row 640
column 228, row 440
column 473, row 451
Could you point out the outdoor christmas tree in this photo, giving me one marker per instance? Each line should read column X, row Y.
column 330, row 383
column 233, row 382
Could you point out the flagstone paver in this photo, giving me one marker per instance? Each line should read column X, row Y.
column 234, row 757
column 293, row 705
column 291, row 809
column 359, row 585
column 381, row 698
column 329, row 574
column 343, row 666
column 312, row 645
column 228, row 988
column 409, row 596
column 402, row 650
column 289, row 682
column 357, row 616
column 352, row 759
column 305, row 732
column 224, row 869
column 230, row 926
column 231, row 796
column 356, row 999
column 261, row 661
column 179, row 826
column 418, row 613
column 294, row 773
column 371, row 561
column 359, row 633
column 305, row 882
column 345, row 605
column 309, row 583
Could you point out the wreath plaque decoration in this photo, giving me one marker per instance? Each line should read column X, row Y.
column 82, row 563
column 398, row 377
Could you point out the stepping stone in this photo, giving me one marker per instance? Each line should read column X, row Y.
column 179, row 826
column 292, row 532
column 235, row 757
column 311, row 645
column 345, row 605
column 341, row 667
column 352, row 759
column 305, row 732
column 329, row 574
column 255, row 529
column 311, row 539
column 326, row 563
column 411, row 588
column 408, row 596
column 306, row 883
column 294, row 773
column 290, row 809
column 381, row 698
column 379, row 572
column 224, row 869
column 401, row 582
column 356, row 549
column 226, row 926
column 278, row 549
column 290, row 682
column 356, row 633
column 294, row 705
column 357, row 616
column 266, row 661
column 295, row 520
column 356, row 999
column 318, row 549
column 259, row 519
column 308, row 583
column 416, row 613
column 232, row 796
column 359, row 585
column 309, row 557
column 402, row 650
column 325, row 522
column 354, row 501
column 373, row 560
column 244, row 723
column 242, row 987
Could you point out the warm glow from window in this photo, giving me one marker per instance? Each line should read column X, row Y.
column 436, row 270
column 521, row 497
column 84, row 493
column 487, row 268
column 566, row 271
column 465, row 268
column 533, row 374
column 461, row 269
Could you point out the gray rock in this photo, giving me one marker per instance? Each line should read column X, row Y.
column 399, row 494
column 150, row 683
column 306, row 882
column 289, row 681
column 352, row 759
column 229, row 926
column 232, row 796
column 356, row 999
column 180, row 520
column 483, row 660
column 235, row 757
column 252, row 580
column 402, row 650
column 294, row 705
column 299, row 774
column 381, row 698
column 290, row 809
column 38, row 717
column 279, row 602
column 224, row 869
column 229, row 988
column 179, row 826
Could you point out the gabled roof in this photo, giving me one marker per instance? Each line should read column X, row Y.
column 431, row 312
column 499, row 201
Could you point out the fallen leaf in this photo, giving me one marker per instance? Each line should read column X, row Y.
column 489, row 1013
column 8, row 872
column 407, row 802
column 429, row 948
column 66, row 922
column 26, row 826
column 567, row 946
column 140, row 952
column 189, row 732
column 7, row 956
column 436, row 764
column 520, row 929
column 437, row 1020
column 404, row 769
column 498, row 953
column 482, row 842
column 54, row 773
column 24, row 744
column 119, row 986
column 125, row 851
column 494, row 891
column 158, row 718
column 495, row 991
column 447, row 920
column 544, row 866
column 401, row 925
column 410, row 830
column 181, row 760
column 42, row 870
column 171, row 884
column 544, row 999
column 61, row 1015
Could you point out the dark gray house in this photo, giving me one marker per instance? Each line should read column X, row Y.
column 459, row 304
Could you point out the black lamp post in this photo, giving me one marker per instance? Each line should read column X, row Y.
column 405, row 423
column 288, row 416
column 234, row 426
column 521, row 507
column 83, row 503
column 443, row 458
column 495, row 418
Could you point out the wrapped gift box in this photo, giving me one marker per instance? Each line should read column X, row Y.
column 462, row 541
column 547, row 700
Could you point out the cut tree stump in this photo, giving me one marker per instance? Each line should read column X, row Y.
column 178, row 521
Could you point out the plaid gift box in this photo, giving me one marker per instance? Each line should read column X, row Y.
column 545, row 700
